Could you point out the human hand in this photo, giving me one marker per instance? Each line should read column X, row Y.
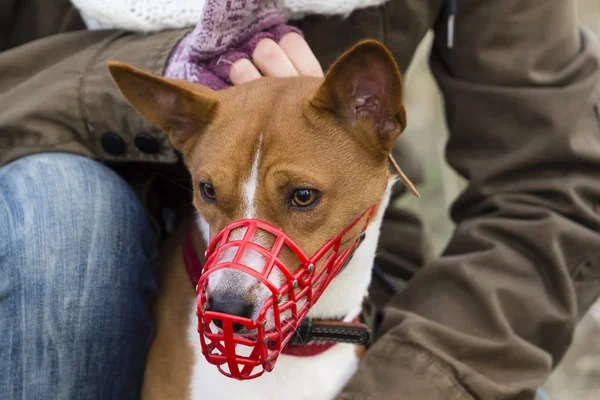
column 277, row 51
column 290, row 57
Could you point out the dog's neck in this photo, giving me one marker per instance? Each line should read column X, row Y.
column 344, row 295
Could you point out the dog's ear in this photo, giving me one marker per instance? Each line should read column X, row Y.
column 364, row 87
column 181, row 110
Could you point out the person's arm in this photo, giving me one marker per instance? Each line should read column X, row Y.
column 492, row 317
column 56, row 95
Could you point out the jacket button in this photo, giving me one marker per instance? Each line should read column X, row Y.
column 113, row 144
column 146, row 143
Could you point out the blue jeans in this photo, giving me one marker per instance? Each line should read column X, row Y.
column 77, row 266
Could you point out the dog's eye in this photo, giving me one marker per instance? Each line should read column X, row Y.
column 208, row 192
column 304, row 197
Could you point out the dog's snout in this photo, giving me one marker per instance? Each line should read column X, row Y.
column 230, row 306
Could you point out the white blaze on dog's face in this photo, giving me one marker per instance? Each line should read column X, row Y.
column 304, row 154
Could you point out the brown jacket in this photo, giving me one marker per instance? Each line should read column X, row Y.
column 492, row 317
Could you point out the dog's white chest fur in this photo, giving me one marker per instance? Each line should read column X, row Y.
column 294, row 378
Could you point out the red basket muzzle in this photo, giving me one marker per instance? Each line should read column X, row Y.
column 244, row 348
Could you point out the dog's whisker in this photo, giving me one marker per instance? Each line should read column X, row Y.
column 175, row 182
column 295, row 331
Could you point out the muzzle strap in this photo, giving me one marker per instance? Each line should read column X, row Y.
column 311, row 330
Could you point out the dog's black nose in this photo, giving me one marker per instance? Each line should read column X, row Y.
column 230, row 306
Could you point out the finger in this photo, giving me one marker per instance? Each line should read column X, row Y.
column 272, row 60
column 243, row 71
column 300, row 54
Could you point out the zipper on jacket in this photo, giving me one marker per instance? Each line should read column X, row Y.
column 450, row 9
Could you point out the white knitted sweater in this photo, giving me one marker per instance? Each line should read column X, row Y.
column 154, row 15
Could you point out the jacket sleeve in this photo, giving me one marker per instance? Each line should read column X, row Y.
column 56, row 95
column 493, row 316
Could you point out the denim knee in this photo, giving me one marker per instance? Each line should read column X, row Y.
column 77, row 265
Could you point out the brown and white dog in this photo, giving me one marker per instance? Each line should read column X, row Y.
column 307, row 155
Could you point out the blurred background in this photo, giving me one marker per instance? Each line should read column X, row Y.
column 578, row 375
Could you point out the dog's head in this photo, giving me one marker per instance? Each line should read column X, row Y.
column 307, row 155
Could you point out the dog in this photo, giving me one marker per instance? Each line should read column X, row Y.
column 303, row 163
